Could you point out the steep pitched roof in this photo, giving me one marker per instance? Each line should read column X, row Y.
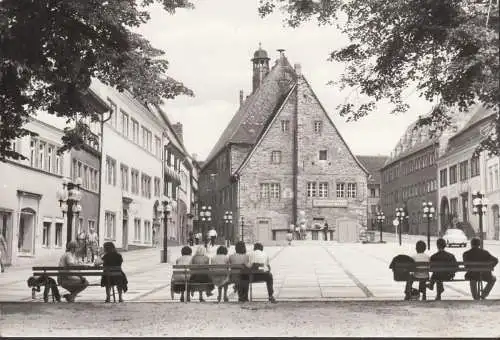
column 373, row 164
column 275, row 114
column 251, row 117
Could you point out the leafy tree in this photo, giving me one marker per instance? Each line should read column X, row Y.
column 448, row 48
column 51, row 49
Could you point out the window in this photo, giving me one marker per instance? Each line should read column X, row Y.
column 311, row 189
column 323, row 189
column 114, row 113
column 135, row 131
column 285, row 125
column 125, row 124
column 274, row 190
column 453, row 174
column 58, row 239
column 351, row 190
column 276, row 157
column 46, row 234
column 443, row 181
column 146, row 139
column 318, row 124
column 146, row 186
column 454, row 206
column 264, row 190
column 474, row 167
column 58, row 169
column 157, row 146
column 372, row 192
column 32, row 153
column 464, row 167
column 135, row 181
column 91, row 225
column 48, row 165
column 124, row 176
column 41, row 155
column 322, row 155
column 109, row 225
column 157, row 187
column 110, row 171
column 340, row 190
column 147, row 231
column 137, row 229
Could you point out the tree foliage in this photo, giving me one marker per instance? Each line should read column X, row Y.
column 51, row 49
column 448, row 48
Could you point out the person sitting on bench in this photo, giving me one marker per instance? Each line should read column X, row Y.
column 441, row 256
column 476, row 254
column 73, row 284
column 112, row 258
column 422, row 277
column 258, row 259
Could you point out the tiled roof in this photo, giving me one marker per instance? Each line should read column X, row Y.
column 373, row 164
column 249, row 120
column 481, row 113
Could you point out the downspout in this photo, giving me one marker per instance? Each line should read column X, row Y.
column 100, row 175
column 295, row 161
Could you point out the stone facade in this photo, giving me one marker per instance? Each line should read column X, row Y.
column 288, row 173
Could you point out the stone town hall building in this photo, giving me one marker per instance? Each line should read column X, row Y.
column 280, row 156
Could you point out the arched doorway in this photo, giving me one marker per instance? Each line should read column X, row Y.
column 496, row 221
column 444, row 210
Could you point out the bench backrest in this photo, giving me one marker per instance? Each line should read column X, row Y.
column 76, row 270
column 444, row 266
column 213, row 268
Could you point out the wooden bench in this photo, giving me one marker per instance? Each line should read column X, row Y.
column 54, row 272
column 211, row 269
column 407, row 269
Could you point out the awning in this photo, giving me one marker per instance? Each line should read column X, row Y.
column 172, row 175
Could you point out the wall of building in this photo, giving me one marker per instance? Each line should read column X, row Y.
column 29, row 192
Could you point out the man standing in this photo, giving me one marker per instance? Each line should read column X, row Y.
column 259, row 259
column 441, row 256
column 476, row 254
column 92, row 243
column 325, row 230
column 212, row 236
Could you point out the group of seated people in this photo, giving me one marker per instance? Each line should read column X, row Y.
column 475, row 254
column 75, row 284
column 257, row 259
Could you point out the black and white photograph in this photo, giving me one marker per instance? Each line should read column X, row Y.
column 249, row 168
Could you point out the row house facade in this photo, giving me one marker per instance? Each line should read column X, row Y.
column 31, row 219
column 282, row 165
column 373, row 164
column 462, row 173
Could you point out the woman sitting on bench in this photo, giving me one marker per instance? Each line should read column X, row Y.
column 73, row 284
column 112, row 258
column 201, row 282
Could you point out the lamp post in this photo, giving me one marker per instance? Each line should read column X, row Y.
column 428, row 214
column 228, row 218
column 69, row 200
column 480, row 206
column 205, row 216
column 165, row 207
column 242, row 224
column 380, row 221
column 400, row 214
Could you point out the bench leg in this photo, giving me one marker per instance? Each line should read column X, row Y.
column 114, row 296
column 250, row 284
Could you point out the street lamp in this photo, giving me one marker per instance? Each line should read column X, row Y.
column 480, row 206
column 205, row 216
column 69, row 200
column 165, row 207
column 380, row 221
column 400, row 214
column 228, row 218
column 428, row 214
column 242, row 224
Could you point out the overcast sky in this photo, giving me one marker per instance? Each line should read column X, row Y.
column 209, row 50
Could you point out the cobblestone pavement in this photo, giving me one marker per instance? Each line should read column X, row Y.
column 437, row 319
column 307, row 270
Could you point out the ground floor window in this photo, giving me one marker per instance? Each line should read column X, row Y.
column 110, row 225
column 147, row 231
column 58, row 238
column 46, row 234
column 137, row 229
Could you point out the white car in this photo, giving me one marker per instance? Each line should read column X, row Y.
column 455, row 237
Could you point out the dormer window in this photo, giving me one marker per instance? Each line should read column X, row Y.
column 318, row 125
column 285, row 125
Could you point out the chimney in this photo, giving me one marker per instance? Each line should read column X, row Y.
column 241, row 97
column 177, row 127
column 298, row 69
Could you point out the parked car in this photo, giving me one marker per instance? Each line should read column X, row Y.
column 455, row 237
